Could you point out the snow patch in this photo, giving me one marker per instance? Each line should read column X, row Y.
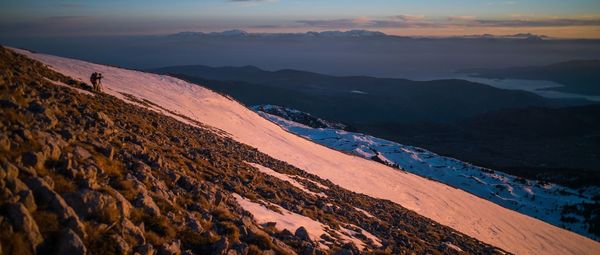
column 62, row 84
column 542, row 201
column 286, row 177
column 285, row 220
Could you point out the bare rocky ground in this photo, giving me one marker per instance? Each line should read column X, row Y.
column 93, row 174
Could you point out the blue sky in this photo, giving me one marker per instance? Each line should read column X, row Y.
column 572, row 18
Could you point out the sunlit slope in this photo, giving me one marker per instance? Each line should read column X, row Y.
column 469, row 214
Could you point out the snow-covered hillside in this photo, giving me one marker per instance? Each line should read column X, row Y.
column 453, row 207
column 540, row 200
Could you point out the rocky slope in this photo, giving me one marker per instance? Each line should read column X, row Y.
column 86, row 172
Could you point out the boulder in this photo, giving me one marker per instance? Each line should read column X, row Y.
column 121, row 245
column 81, row 153
column 145, row 249
column 70, row 243
column 44, row 195
column 23, row 221
column 4, row 143
column 186, row 183
column 26, row 198
column 144, row 200
column 15, row 184
column 93, row 204
column 32, row 159
column 132, row 230
column 104, row 119
column 173, row 248
column 53, row 151
column 11, row 170
column 194, row 224
column 220, row 247
column 123, row 203
column 302, row 233
column 36, row 107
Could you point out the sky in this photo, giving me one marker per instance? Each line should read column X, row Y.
column 554, row 18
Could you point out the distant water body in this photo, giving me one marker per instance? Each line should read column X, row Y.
column 539, row 87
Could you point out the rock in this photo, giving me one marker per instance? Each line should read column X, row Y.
column 87, row 176
column 240, row 248
column 173, row 248
column 4, row 143
column 270, row 224
column 286, row 233
column 132, row 230
column 15, row 185
column 145, row 249
column 220, row 247
column 194, row 224
column 44, row 195
column 36, row 107
column 25, row 134
column 29, row 170
column 90, row 203
column 123, row 203
column 219, row 198
column 26, row 198
column 121, row 245
column 309, row 250
column 53, row 151
column 233, row 252
column 81, row 153
column 110, row 152
column 105, row 119
column 67, row 135
column 302, row 234
column 187, row 252
column 348, row 249
column 186, row 183
column 70, row 243
column 145, row 201
column 23, row 221
column 11, row 170
column 35, row 160
column 9, row 103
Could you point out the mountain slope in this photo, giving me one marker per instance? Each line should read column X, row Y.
column 462, row 211
column 549, row 202
column 84, row 172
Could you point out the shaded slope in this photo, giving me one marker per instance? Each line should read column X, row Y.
column 359, row 101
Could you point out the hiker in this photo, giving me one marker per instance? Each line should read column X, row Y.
column 96, row 80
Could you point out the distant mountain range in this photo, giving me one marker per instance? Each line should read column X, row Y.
column 242, row 33
column 349, row 33
column 577, row 76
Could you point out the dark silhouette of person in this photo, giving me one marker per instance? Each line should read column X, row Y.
column 96, row 80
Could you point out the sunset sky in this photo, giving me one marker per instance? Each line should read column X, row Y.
column 555, row 18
